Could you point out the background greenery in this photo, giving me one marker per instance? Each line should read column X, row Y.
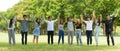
column 65, row 7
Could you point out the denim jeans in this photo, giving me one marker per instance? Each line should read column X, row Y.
column 78, row 37
column 97, row 32
column 61, row 34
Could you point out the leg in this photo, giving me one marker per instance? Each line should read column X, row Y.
column 52, row 34
column 77, row 37
column 59, row 37
column 87, row 37
column 90, row 37
column 22, row 34
column 108, row 39
column 62, row 37
column 48, row 37
column 9, row 35
column 69, row 37
column 26, row 38
column 34, row 39
column 112, row 39
column 80, row 37
column 37, row 39
column 72, row 34
column 13, row 37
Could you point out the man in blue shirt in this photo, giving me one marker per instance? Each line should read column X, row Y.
column 24, row 29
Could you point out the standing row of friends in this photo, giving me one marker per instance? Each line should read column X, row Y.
column 73, row 26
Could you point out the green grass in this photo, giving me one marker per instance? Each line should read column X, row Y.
column 43, row 46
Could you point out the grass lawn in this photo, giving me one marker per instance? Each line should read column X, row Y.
column 43, row 46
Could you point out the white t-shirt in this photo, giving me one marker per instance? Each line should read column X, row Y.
column 61, row 27
column 70, row 26
column 50, row 25
column 89, row 25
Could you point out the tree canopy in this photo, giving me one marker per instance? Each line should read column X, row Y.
column 65, row 7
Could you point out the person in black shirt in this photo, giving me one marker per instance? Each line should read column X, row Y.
column 109, row 28
column 78, row 26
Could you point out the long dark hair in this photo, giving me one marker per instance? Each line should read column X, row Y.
column 11, row 22
column 98, row 21
column 38, row 21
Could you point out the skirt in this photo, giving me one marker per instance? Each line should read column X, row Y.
column 36, row 32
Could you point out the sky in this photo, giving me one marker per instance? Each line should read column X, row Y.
column 6, row 4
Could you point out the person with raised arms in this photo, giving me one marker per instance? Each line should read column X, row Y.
column 109, row 27
column 50, row 28
column 36, row 31
column 89, row 28
column 97, row 27
column 24, row 28
column 78, row 25
column 11, row 27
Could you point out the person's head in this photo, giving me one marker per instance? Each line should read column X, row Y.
column 69, row 18
column 11, row 22
column 24, row 17
column 38, row 20
column 61, row 21
column 50, row 18
column 88, row 18
column 78, row 21
column 108, row 17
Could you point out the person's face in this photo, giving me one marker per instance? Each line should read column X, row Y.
column 78, row 21
column 24, row 17
column 38, row 20
column 108, row 17
column 50, row 18
column 70, row 19
column 88, row 19
column 61, row 21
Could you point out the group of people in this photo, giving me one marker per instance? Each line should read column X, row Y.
column 73, row 26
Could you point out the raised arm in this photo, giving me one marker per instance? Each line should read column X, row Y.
column 32, row 17
column 100, row 17
column 6, row 19
column 43, row 16
column 81, row 16
column 74, row 18
column 94, row 16
column 65, row 20
column 58, row 17
column 117, row 13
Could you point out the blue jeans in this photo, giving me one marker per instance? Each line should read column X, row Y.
column 78, row 37
column 61, row 34
column 97, row 32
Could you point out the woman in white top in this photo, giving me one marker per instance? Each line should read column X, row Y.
column 97, row 29
column 36, row 31
column 61, row 30
column 11, row 26
column 89, row 26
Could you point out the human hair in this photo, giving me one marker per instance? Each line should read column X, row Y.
column 38, row 21
column 24, row 15
column 49, row 17
column 11, row 22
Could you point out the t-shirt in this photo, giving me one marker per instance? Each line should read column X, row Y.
column 70, row 26
column 78, row 26
column 61, row 27
column 24, row 25
column 50, row 25
column 36, row 25
column 89, row 25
